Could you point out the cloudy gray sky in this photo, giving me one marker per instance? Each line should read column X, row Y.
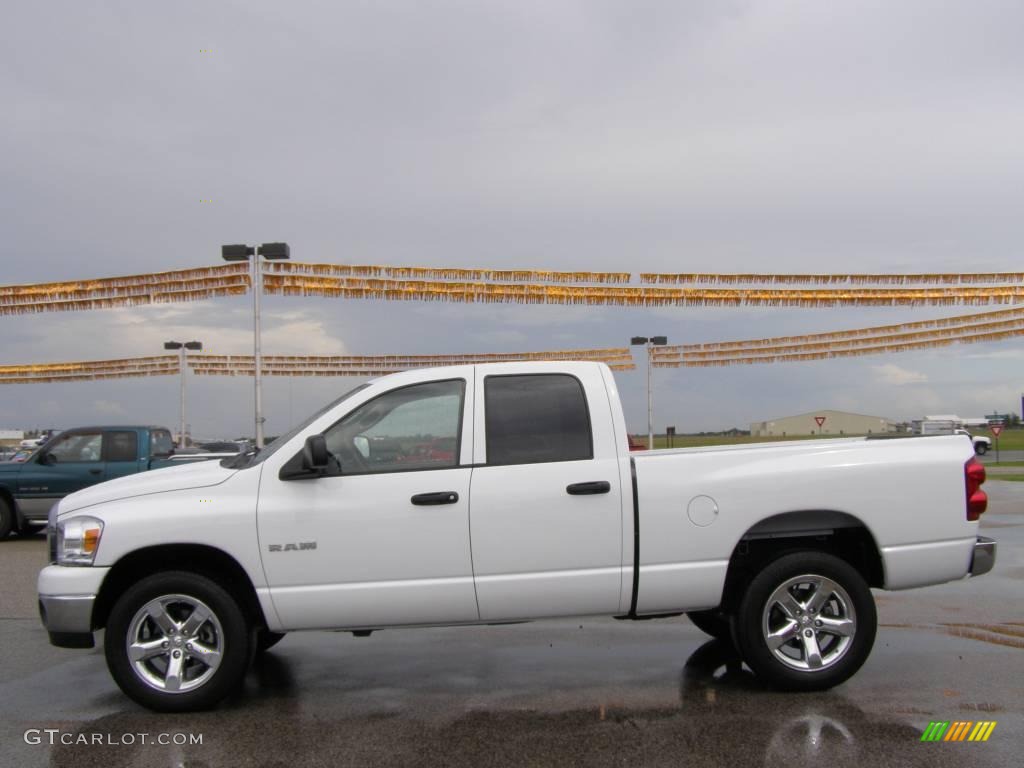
column 641, row 136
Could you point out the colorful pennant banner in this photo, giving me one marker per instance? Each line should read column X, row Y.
column 869, row 341
column 972, row 278
column 126, row 291
column 942, row 322
column 618, row 358
column 515, row 286
column 368, row 372
column 419, row 290
column 446, row 273
column 616, row 353
column 162, row 365
column 687, row 362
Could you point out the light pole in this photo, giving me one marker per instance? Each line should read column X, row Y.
column 182, row 348
column 271, row 252
column 649, row 342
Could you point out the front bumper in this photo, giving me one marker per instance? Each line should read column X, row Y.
column 984, row 557
column 68, row 619
column 66, row 599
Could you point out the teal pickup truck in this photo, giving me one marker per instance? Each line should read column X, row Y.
column 76, row 459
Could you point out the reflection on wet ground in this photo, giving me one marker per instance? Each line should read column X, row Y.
column 720, row 716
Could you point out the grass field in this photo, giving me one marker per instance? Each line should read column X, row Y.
column 1010, row 440
column 1011, row 478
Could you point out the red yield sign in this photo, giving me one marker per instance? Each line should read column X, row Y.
column 820, row 420
column 997, row 429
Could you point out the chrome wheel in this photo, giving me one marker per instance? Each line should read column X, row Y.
column 175, row 643
column 809, row 622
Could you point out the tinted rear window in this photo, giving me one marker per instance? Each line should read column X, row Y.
column 120, row 446
column 536, row 418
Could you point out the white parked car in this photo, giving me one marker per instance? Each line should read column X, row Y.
column 499, row 493
column 982, row 444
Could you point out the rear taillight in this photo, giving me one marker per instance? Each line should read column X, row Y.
column 977, row 501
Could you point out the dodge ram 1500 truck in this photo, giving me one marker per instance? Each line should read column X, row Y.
column 76, row 459
column 527, row 505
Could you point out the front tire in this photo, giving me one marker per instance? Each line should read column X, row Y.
column 807, row 622
column 30, row 529
column 177, row 642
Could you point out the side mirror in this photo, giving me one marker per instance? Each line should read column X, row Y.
column 315, row 455
column 47, row 459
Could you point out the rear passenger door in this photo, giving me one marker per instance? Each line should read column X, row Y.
column 545, row 496
column 121, row 453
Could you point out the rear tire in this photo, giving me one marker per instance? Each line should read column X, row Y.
column 177, row 642
column 713, row 622
column 6, row 518
column 981, row 449
column 807, row 622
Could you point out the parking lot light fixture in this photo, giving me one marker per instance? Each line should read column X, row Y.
column 236, row 252
column 183, row 348
column 649, row 342
column 275, row 251
column 271, row 252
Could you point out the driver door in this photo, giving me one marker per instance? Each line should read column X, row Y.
column 383, row 539
column 71, row 462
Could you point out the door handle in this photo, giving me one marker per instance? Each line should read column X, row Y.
column 588, row 489
column 95, row 471
column 432, row 499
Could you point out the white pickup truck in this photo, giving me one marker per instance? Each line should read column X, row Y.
column 982, row 444
column 499, row 493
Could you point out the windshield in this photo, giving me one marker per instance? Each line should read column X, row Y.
column 255, row 456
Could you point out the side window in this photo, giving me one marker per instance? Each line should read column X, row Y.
column 120, row 446
column 80, row 446
column 415, row 427
column 536, row 418
column 160, row 443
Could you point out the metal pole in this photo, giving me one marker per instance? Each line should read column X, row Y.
column 181, row 362
column 257, row 288
column 650, row 403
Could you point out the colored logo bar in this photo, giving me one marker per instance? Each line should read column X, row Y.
column 958, row 730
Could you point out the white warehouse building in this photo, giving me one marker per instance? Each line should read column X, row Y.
column 825, row 422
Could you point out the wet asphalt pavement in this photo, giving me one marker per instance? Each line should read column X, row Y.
column 584, row 692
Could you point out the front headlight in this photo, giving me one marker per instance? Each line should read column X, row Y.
column 78, row 539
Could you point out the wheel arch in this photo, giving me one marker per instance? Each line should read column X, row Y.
column 205, row 560
column 831, row 531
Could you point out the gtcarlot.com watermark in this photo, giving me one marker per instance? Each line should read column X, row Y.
column 54, row 736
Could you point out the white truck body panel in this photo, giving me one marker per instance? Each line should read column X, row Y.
column 752, row 483
column 516, row 545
